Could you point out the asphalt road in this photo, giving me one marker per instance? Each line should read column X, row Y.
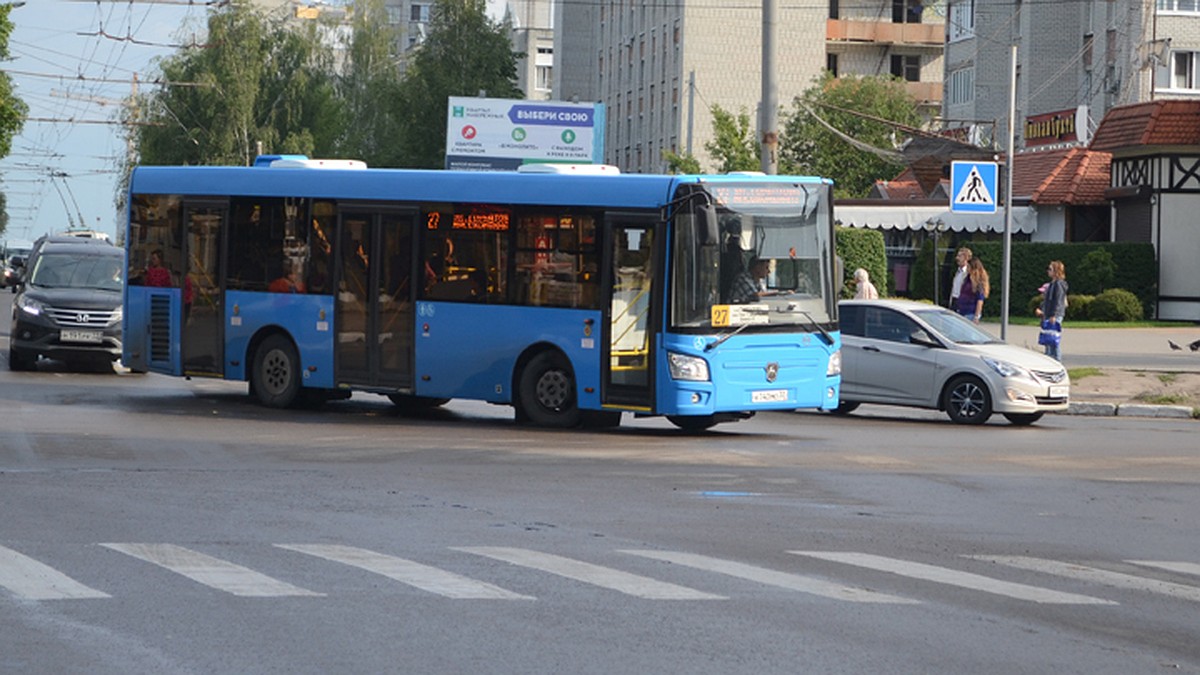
column 156, row 525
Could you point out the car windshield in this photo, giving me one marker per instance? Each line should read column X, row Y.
column 64, row 270
column 954, row 327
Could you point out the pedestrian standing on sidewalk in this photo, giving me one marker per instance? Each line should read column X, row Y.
column 975, row 289
column 1054, row 305
column 863, row 288
column 962, row 257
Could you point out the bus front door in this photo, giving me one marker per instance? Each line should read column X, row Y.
column 202, row 343
column 629, row 353
column 375, row 299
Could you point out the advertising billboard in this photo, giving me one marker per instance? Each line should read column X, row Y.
column 493, row 134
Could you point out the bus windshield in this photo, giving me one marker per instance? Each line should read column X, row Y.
column 771, row 265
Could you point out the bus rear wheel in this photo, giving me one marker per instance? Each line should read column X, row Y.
column 546, row 392
column 276, row 375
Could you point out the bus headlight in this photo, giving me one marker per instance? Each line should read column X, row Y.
column 835, row 364
column 684, row 367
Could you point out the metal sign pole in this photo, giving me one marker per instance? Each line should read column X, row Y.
column 1008, row 172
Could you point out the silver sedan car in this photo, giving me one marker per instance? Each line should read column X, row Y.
column 898, row 352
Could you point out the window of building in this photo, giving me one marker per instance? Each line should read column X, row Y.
column 834, row 13
column 907, row 11
column 831, row 64
column 961, row 23
column 419, row 13
column 542, row 77
column 1184, row 67
column 1182, row 6
column 907, row 67
column 960, row 86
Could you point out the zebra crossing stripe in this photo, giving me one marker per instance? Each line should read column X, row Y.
column 210, row 571
column 596, row 575
column 769, row 577
column 1100, row 576
column 29, row 579
column 943, row 575
column 1180, row 567
column 414, row 574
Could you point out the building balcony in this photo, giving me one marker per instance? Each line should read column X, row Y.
column 885, row 32
column 926, row 93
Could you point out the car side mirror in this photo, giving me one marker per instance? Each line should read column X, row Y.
column 920, row 337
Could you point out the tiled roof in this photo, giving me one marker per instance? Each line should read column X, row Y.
column 1164, row 122
column 1063, row 176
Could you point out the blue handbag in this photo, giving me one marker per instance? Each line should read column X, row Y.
column 1051, row 332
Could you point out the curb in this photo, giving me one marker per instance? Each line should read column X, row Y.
column 1085, row 408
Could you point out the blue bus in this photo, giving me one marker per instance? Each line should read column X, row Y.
column 573, row 294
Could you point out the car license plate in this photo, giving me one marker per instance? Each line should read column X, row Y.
column 86, row 336
column 1059, row 391
column 769, row 396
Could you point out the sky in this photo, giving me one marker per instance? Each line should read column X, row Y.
column 74, row 62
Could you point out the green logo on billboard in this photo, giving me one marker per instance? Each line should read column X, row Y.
column 458, row 111
column 518, row 134
column 568, row 136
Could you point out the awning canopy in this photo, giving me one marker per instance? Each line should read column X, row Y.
column 889, row 216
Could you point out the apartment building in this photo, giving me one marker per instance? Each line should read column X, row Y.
column 532, row 33
column 660, row 67
column 1075, row 62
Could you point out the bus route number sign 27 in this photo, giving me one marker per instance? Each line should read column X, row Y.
column 724, row 316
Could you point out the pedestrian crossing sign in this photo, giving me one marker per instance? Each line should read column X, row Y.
column 973, row 187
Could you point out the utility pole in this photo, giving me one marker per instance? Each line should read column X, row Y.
column 769, row 115
column 691, row 109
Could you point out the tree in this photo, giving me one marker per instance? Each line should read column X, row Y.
column 254, row 82
column 734, row 144
column 808, row 146
column 369, row 86
column 12, row 109
column 464, row 53
column 685, row 163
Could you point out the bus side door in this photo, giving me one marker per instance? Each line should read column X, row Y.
column 375, row 316
column 631, row 305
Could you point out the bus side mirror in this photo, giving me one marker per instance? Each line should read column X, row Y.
column 708, row 227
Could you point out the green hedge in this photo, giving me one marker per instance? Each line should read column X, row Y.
column 862, row 248
column 1134, row 269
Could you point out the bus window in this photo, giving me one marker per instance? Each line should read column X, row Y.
column 269, row 245
column 154, row 234
column 465, row 254
column 556, row 260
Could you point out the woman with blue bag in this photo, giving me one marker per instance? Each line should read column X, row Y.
column 1053, row 309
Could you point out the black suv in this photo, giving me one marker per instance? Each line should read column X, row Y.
column 68, row 303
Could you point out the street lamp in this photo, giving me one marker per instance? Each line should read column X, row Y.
column 936, row 226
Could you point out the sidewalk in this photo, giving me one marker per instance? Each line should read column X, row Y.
column 1131, row 361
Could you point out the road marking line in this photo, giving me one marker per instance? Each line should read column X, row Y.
column 408, row 572
column 1181, row 567
column 1099, row 576
column 951, row 577
column 605, row 577
column 212, row 572
column 762, row 575
column 32, row 580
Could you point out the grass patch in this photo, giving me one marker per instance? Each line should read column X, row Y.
column 1162, row 399
column 1168, row 378
column 1078, row 374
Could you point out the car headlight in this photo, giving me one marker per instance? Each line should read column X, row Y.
column 117, row 315
column 30, row 306
column 1006, row 369
column 684, row 367
column 835, row 364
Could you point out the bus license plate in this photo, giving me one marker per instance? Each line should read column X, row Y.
column 1059, row 391
column 86, row 336
column 769, row 396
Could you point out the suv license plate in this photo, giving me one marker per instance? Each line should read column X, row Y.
column 87, row 336
column 1059, row 391
column 769, row 396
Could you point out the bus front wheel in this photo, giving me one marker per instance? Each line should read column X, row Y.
column 546, row 392
column 693, row 424
column 276, row 376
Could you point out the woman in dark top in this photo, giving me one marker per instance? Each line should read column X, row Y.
column 1054, row 304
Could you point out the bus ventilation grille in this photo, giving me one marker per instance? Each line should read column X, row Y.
column 160, row 328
